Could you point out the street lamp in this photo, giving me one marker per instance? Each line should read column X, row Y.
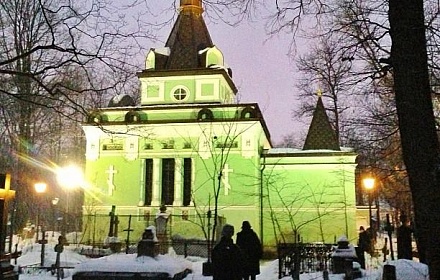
column 39, row 189
column 369, row 183
column 54, row 205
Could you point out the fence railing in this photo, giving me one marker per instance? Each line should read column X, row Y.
column 190, row 247
column 96, row 227
column 297, row 258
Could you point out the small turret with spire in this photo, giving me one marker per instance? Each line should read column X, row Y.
column 188, row 54
column 321, row 134
column 188, row 36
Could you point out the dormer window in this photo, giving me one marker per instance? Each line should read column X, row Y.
column 180, row 93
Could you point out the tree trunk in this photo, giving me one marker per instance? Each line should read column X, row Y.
column 420, row 144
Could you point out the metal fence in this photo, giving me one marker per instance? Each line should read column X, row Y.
column 190, row 247
column 96, row 227
column 297, row 258
column 183, row 247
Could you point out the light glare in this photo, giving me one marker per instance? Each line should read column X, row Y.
column 70, row 177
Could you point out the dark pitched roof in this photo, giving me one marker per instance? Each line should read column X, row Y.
column 121, row 101
column 188, row 36
column 321, row 135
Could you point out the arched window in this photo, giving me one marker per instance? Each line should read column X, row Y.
column 205, row 114
column 133, row 117
column 97, row 117
column 248, row 113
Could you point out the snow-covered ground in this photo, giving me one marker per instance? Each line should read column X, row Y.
column 31, row 255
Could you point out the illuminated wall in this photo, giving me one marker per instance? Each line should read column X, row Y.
column 311, row 193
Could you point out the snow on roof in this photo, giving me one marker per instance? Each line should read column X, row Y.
column 162, row 51
column 117, row 98
column 216, row 66
column 301, row 151
column 204, row 50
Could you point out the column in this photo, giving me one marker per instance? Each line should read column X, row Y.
column 155, row 201
column 178, row 171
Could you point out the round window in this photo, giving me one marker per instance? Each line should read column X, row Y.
column 180, row 94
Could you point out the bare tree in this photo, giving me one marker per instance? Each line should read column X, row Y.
column 417, row 126
column 291, row 141
column 411, row 81
column 50, row 52
column 220, row 140
column 326, row 71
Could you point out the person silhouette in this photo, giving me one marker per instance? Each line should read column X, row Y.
column 404, row 239
column 364, row 245
column 249, row 243
column 227, row 258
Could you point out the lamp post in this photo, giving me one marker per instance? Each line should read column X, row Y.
column 369, row 183
column 55, row 218
column 39, row 189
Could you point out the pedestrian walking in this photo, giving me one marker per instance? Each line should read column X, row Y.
column 250, row 245
column 227, row 258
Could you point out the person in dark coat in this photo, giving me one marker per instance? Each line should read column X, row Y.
column 404, row 239
column 227, row 258
column 364, row 244
column 250, row 245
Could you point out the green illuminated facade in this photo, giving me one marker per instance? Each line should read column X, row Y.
column 188, row 136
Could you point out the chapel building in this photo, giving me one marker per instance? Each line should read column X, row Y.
column 190, row 146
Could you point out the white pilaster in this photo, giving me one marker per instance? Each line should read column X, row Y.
column 193, row 179
column 178, row 171
column 155, row 201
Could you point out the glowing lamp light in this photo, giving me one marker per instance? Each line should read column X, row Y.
column 40, row 187
column 70, row 177
column 369, row 183
column 369, row 186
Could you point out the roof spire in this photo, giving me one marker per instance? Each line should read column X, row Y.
column 191, row 6
column 188, row 36
column 321, row 135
